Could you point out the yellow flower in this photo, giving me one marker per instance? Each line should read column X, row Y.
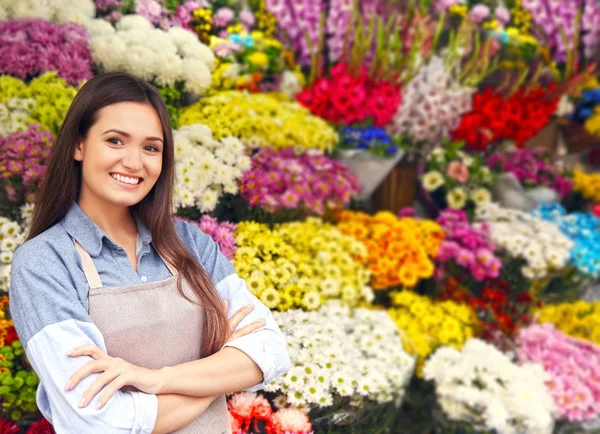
column 311, row 300
column 255, row 283
column 432, row 180
column 270, row 298
column 456, row 198
column 481, row 195
column 259, row 59
column 460, row 10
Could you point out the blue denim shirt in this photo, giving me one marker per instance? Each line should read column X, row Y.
column 49, row 307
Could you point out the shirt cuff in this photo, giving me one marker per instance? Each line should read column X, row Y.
column 255, row 349
column 146, row 412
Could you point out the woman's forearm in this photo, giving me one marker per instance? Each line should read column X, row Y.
column 178, row 411
column 228, row 370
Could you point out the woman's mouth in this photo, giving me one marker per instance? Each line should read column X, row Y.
column 126, row 181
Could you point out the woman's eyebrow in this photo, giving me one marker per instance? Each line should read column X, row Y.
column 123, row 133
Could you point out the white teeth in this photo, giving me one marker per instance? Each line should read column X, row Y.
column 126, row 179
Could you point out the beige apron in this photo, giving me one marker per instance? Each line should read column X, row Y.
column 153, row 326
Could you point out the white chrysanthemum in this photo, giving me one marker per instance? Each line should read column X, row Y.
column 31, row 9
column 197, row 75
column 133, row 22
column 109, row 51
column 55, row 11
column 12, row 235
column 343, row 354
column 496, row 394
column 97, row 27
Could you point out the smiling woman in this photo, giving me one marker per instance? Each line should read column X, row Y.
column 115, row 303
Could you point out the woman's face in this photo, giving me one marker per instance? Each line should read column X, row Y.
column 122, row 155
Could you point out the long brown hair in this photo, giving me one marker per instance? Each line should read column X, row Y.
column 62, row 183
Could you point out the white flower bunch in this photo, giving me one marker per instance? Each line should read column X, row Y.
column 14, row 115
column 433, row 103
column 55, row 11
column 337, row 352
column 206, row 167
column 481, row 385
column 12, row 236
column 540, row 243
column 158, row 56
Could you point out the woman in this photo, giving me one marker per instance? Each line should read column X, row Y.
column 122, row 311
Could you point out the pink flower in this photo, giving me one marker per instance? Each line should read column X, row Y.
column 289, row 420
column 502, row 15
column 223, row 17
column 458, row 171
column 479, row 13
column 465, row 257
column 222, row 233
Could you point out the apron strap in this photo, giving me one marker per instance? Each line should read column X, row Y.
column 89, row 269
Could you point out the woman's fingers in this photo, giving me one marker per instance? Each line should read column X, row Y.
column 239, row 316
column 110, row 390
column 83, row 372
column 246, row 330
column 89, row 350
column 102, row 380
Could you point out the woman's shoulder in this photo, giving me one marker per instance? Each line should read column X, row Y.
column 47, row 248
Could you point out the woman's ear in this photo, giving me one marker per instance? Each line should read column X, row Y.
column 78, row 154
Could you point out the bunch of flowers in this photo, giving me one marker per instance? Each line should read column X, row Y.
column 573, row 366
column 206, row 168
column 347, row 98
column 11, row 236
column 167, row 58
column 55, row 11
column 373, row 139
column 433, row 103
column 558, row 21
column 495, row 117
column 583, row 229
column 222, row 232
column 587, row 109
column 301, row 264
column 587, row 184
column 247, row 409
column 539, row 245
column 533, row 168
column 289, row 180
column 44, row 100
column 260, row 120
column 579, row 319
column 456, row 179
column 342, row 356
column 500, row 310
column 426, row 324
column 400, row 250
column 30, row 47
column 23, row 156
column 19, row 381
column 482, row 386
column 466, row 247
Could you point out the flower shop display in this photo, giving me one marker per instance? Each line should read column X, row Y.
column 30, row 47
column 44, row 101
column 55, row 11
column 587, row 109
column 400, row 251
column 23, row 156
column 11, row 236
column 496, row 117
column 483, row 387
column 454, row 179
column 579, row 319
column 285, row 179
column 342, row 356
column 223, row 233
column 167, row 58
column 206, row 167
column 301, row 264
column 426, row 324
column 538, row 246
column 587, row 185
column 248, row 409
column 373, row 139
column 466, row 250
column 260, row 120
column 573, row 367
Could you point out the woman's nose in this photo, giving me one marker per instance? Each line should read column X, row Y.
column 133, row 159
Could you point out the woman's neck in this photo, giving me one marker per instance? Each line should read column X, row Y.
column 116, row 221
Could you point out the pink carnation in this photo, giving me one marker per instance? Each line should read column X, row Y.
column 289, row 421
column 222, row 233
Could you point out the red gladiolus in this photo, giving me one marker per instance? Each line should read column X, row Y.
column 494, row 118
column 345, row 98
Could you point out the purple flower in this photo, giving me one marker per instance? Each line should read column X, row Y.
column 479, row 13
column 223, row 17
column 502, row 15
column 247, row 18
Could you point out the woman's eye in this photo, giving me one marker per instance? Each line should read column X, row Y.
column 152, row 148
column 115, row 141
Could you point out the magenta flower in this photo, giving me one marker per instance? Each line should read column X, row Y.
column 286, row 180
column 30, row 47
column 223, row 17
column 221, row 232
column 479, row 13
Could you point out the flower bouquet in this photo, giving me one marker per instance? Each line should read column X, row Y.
column 454, row 179
column 301, row 264
column 344, row 377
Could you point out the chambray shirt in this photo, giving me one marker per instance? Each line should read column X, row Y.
column 49, row 306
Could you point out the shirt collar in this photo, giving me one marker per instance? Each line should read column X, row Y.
column 87, row 233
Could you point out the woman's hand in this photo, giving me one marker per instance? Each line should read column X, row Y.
column 237, row 317
column 115, row 374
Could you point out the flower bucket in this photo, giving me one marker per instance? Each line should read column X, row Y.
column 370, row 169
column 509, row 193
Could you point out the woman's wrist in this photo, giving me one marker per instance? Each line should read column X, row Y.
column 164, row 378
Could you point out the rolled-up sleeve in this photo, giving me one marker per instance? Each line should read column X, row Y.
column 50, row 320
column 267, row 347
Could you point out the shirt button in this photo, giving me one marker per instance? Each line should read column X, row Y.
column 144, row 278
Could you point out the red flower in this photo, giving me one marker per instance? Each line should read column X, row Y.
column 505, row 322
column 524, row 297
column 41, row 427
column 11, row 335
column 7, row 427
